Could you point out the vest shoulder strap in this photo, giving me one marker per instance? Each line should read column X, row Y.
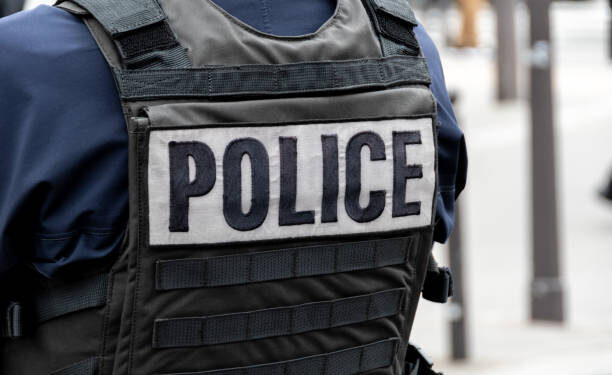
column 138, row 28
column 394, row 22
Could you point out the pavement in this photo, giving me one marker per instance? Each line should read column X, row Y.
column 496, row 206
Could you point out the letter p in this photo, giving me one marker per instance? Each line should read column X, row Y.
column 181, row 186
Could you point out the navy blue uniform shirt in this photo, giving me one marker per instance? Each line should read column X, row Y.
column 64, row 146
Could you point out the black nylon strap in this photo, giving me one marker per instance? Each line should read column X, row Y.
column 350, row 361
column 282, row 79
column 282, row 321
column 146, row 39
column 86, row 367
column 394, row 22
column 140, row 31
column 122, row 16
column 63, row 300
column 396, row 8
column 282, row 264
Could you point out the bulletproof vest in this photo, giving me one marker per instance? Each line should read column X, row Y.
column 282, row 194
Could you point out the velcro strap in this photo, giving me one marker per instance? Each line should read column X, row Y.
column 81, row 295
column 146, row 39
column 397, row 8
column 396, row 30
column 280, row 79
column 86, row 367
column 121, row 16
column 140, row 31
column 282, row 321
column 350, row 361
column 282, row 264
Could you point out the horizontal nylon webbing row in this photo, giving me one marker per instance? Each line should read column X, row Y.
column 63, row 300
column 86, row 367
column 258, row 80
column 281, row 321
column 343, row 362
column 282, row 264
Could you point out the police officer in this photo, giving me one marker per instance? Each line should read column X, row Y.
column 64, row 203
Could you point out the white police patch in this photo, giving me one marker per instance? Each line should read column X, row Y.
column 233, row 184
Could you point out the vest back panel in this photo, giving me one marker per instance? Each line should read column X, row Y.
column 282, row 194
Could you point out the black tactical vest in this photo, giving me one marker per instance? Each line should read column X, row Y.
column 282, row 196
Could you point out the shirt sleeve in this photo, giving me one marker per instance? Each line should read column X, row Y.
column 63, row 170
column 452, row 154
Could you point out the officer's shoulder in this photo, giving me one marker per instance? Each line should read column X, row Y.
column 41, row 37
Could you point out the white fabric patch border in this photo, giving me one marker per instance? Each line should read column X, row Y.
column 207, row 224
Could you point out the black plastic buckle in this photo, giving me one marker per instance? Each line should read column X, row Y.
column 12, row 325
column 438, row 285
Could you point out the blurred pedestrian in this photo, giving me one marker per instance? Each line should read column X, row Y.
column 606, row 192
column 469, row 13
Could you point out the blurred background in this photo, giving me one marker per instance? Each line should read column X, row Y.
column 507, row 323
column 532, row 253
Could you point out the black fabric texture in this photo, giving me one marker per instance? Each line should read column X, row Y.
column 232, row 184
column 281, row 321
column 438, row 286
column 181, row 188
column 394, row 23
column 147, row 39
column 397, row 30
column 376, row 205
column 283, row 79
column 78, row 296
column 329, row 204
column 86, row 367
column 120, row 16
column 417, row 363
column 287, row 263
column 403, row 172
column 343, row 362
column 288, row 185
column 140, row 33
column 396, row 8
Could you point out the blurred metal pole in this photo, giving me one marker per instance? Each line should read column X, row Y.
column 507, row 80
column 610, row 29
column 458, row 313
column 546, row 287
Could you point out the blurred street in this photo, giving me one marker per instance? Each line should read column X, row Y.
column 496, row 205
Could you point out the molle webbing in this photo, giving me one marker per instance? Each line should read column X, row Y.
column 140, row 31
column 283, row 264
column 282, row 321
column 48, row 304
column 86, row 367
column 82, row 295
column 351, row 361
column 272, row 80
